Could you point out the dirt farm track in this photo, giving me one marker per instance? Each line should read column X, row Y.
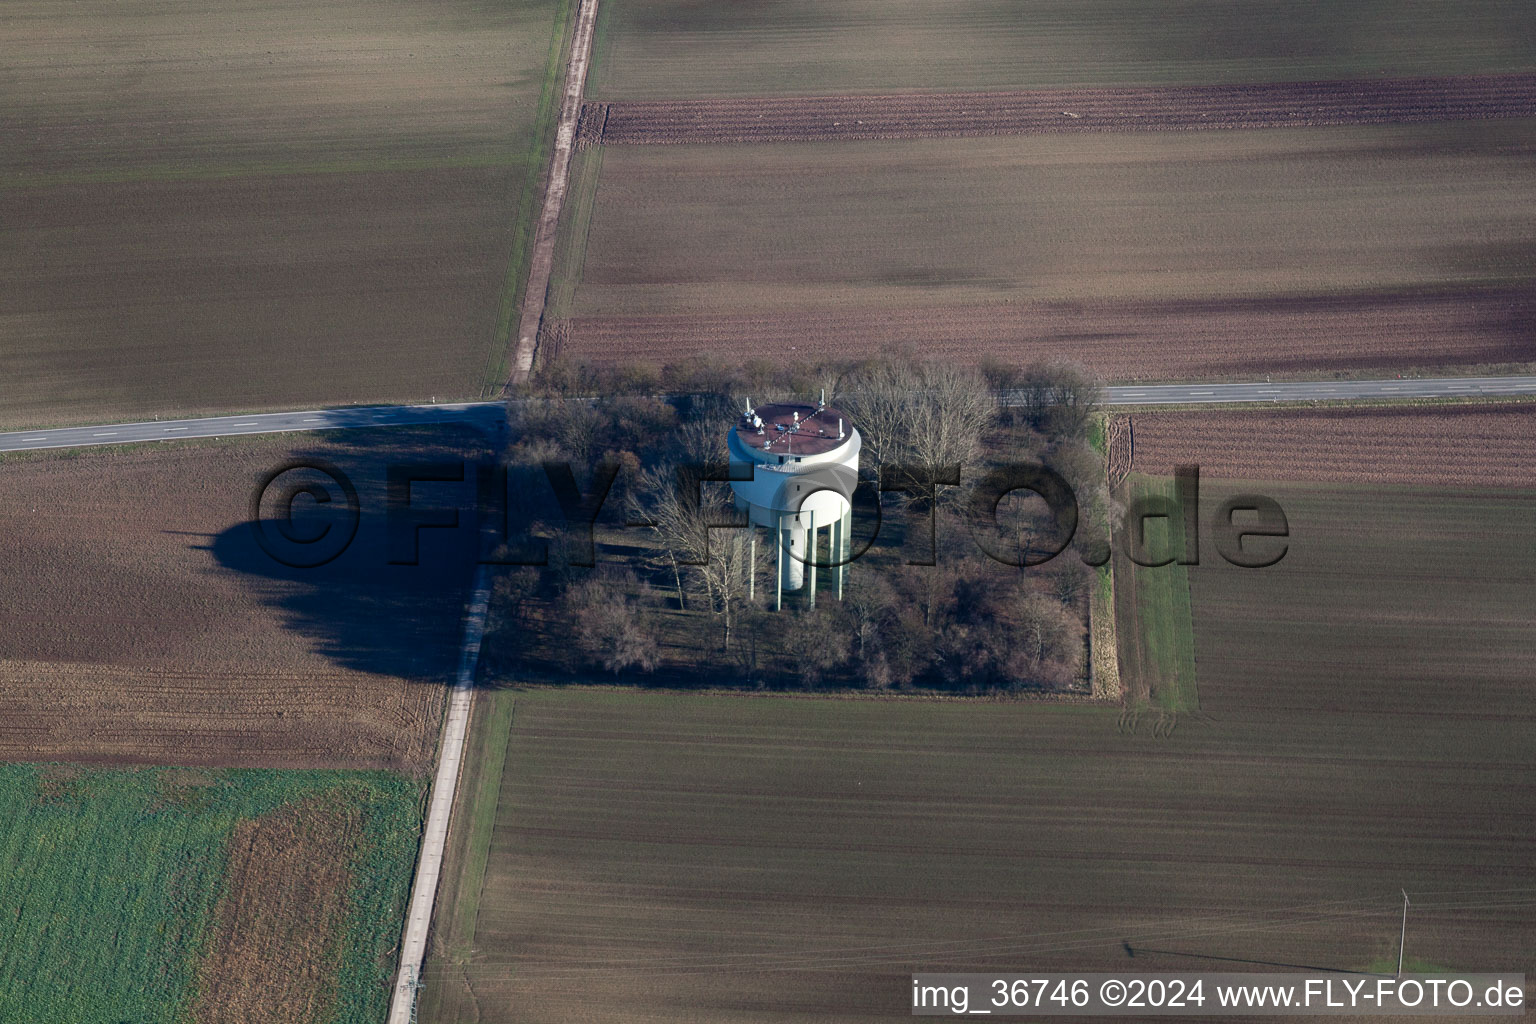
column 910, row 116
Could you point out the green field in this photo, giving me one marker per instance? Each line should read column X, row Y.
column 667, row 857
column 930, row 223
column 117, row 903
column 672, row 48
column 1156, row 637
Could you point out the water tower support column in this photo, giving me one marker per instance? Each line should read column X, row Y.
column 835, row 545
column 840, row 551
column 846, row 569
column 778, row 566
column 811, row 554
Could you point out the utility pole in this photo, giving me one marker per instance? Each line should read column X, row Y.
column 1403, row 936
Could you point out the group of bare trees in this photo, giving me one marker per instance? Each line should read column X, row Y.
column 964, row 623
column 919, row 413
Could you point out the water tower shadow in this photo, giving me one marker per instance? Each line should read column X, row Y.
column 360, row 608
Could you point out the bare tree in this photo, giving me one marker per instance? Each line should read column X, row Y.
column 570, row 425
column 711, row 563
column 924, row 417
column 1059, row 398
column 950, row 414
column 701, row 440
column 879, row 399
column 1048, row 650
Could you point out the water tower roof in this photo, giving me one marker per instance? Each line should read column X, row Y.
column 789, row 429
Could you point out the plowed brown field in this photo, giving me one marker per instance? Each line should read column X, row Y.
column 1395, row 601
column 1121, row 341
column 143, row 624
column 253, row 205
column 273, row 952
column 1035, row 112
column 687, row 858
column 1457, row 446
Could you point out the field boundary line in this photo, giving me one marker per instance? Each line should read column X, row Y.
column 929, row 115
column 542, row 263
column 445, row 784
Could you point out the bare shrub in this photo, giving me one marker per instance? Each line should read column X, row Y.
column 608, row 624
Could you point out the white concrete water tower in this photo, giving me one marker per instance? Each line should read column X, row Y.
column 804, row 464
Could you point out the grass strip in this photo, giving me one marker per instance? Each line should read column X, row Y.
column 538, row 156
column 475, row 820
column 1161, row 629
column 575, row 229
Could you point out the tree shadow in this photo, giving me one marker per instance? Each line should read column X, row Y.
column 362, row 608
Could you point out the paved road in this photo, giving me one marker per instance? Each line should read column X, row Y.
column 477, row 413
column 488, row 413
column 445, row 784
column 1302, row 391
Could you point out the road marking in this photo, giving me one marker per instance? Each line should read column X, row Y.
column 253, row 423
column 44, row 438
column 1202, row 392
column 313, row 419
column 169, row 429
column 109, row 433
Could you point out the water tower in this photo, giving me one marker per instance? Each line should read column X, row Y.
column 804, row 463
